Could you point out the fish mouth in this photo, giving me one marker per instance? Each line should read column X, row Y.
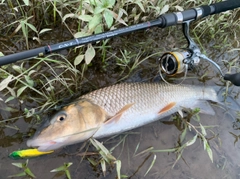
column 44, row 146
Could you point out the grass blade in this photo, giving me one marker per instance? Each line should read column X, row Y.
column 190, row 142
column 103, row 165
column 18, row 175
column 153, row 161
column 203, row 130
column 145, row 151
column 28, row 171
column 118, row 165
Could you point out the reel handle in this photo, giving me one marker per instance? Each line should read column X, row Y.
column 233, row 78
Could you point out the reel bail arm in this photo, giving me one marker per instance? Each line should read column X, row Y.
column 233, row 78
column 173, row 63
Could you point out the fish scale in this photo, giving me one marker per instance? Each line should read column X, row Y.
column 144, row 95
column 148, row 99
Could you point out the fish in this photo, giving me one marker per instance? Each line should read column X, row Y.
column 119, row 108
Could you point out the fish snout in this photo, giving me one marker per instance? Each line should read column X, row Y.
column 42, row 146
column 33, row 143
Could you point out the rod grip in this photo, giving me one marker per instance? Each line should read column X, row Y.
column 220, row 7
column 234, row 78
column 226, row 5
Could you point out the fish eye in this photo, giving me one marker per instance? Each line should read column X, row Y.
column 61, row 118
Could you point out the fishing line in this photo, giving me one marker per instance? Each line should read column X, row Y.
column 89, row 130
column 184, row 77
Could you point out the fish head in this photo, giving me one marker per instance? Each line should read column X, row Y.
column 74, row 123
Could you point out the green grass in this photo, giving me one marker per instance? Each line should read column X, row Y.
column 25, row 168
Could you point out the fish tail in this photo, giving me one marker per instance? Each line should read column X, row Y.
column 225, row 99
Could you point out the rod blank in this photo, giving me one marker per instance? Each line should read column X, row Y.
column 163, row 21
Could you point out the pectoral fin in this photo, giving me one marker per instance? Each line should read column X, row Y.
column 167, row 107
column 118, row 115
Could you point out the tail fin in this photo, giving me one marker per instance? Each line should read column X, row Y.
column 226, row 101
column 203, row 106
column 216, row 94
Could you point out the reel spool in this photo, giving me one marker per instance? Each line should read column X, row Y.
column 173, row 63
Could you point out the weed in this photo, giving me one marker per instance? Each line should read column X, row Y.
column 201, row 134
column 26, row 172
column 106, row 157
column 129, row 62
column 23, row 79
column 63, row 168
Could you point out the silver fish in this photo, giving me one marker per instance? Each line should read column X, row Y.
column 118, row 108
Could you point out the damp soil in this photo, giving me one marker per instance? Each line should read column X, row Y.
column 162, row 134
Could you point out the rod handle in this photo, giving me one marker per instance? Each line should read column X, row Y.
column 234, row 78
column 196, row 13
column 226, row 5
column 219, row 7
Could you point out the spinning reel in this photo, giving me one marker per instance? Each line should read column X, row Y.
column 177, row 62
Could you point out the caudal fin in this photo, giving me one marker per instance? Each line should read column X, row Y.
column 227, row 101
column 204, row 107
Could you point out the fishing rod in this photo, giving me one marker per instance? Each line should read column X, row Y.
column 192, row 54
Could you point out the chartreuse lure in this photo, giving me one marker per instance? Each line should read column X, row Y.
column 28, row 153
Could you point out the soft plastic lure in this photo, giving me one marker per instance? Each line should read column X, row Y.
column 27, row 153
